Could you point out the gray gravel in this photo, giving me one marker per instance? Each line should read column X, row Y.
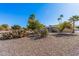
column 51, row 46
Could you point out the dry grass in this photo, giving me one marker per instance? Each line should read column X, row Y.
column 50, row 46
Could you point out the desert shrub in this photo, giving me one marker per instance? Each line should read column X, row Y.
column 64, row 25
column 16, row 27
column 25, row 29
column 36, row 26
column 6, row 36
column 32, row 22
column 20, row 33
column 52, row 28
column 77, row 27
column 60, row 27
column 4, row 27
column 43, row 32
column 14, row 34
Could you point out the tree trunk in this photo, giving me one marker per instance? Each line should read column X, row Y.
column 73, row 27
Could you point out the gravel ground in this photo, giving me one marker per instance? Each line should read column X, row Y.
column 53, row 45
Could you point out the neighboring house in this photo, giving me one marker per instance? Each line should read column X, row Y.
column 52, row 28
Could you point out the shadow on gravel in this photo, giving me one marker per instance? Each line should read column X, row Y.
column 32, row 38
column 3, row 39
column 64, row 34
column 36, row 38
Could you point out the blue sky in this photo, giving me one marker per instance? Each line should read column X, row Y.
column 46, row 13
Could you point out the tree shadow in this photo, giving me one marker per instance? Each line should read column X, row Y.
column 64, row 34
column 36, row 37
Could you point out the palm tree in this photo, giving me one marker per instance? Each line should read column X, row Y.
column 61, row 15
column 60, row 18
column 73, row 19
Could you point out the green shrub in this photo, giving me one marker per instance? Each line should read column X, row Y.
column 36, row 26
column 61, row 27
column 77, row 27
column 16, row 27
column 64, row 25
column 4, row 27
column 44, row 32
